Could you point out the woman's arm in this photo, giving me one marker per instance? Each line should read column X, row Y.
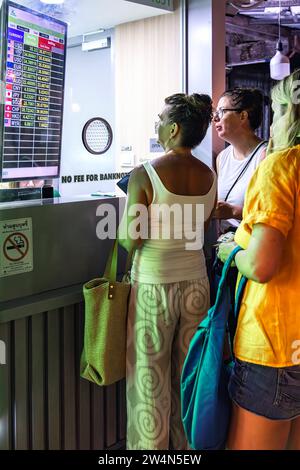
column 133, row 228
column 223, row 209
column 262, row 258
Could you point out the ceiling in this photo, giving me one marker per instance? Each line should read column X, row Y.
column 267, row 11
column 90, row 15
column 86, row 16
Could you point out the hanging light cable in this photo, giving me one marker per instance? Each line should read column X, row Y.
column 280, row 63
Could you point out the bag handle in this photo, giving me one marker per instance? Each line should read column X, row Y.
column 238, row 297
column 245, row 167
column 225, row 270
column 112, row 262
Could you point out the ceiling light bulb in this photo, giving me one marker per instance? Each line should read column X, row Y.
column 53, row 2
column 279, row 64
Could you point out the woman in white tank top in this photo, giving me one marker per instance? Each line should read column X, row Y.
column 238, row 115
column 170, row 290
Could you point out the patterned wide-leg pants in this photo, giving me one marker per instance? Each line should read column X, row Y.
column 162, row 319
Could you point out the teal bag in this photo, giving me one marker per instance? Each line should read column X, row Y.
column 205, row 402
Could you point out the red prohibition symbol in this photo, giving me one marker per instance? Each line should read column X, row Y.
column 15, row 246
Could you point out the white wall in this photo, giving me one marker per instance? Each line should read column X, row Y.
column 147, row 70
column 89, row 87
column 206, row 62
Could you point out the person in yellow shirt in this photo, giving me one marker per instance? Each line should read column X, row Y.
column 265, row 383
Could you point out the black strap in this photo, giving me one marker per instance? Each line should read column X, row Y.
column 245, row 167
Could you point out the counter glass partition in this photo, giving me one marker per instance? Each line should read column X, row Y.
column 66, row 65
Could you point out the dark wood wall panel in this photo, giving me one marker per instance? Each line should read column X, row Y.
column 97, row 418
column 5, row 390
column 121, row 398
column 83, row 390
column 110, row 417
column 37, row 388
column 68, row 379
column 44, row 404
column 52, row 369
column 21, row 382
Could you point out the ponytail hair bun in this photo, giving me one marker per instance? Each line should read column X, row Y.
column 203, row 103
column 193, row 113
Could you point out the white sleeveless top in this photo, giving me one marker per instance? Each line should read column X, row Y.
column 172, row 255
column 228, row 171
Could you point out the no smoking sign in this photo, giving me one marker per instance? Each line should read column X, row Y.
column 16, row 253
column 15, row 246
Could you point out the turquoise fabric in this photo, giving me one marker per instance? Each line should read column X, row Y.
column 205, row 402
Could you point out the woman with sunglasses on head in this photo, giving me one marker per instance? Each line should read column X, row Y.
column 238, row 114
column 169, row 284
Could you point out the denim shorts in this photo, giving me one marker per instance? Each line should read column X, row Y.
column 266, row 391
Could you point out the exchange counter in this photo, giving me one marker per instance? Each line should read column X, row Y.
column 49, row 249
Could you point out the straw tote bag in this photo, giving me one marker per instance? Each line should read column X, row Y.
column 106, row 302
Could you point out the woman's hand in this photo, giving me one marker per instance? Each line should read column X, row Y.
column 224, row 210
column 224, row 251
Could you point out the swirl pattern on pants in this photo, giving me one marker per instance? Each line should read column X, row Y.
column 162, row 319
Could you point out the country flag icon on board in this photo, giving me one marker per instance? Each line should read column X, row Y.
column 10, row 75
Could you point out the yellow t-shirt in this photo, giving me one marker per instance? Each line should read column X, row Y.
column 268, row 330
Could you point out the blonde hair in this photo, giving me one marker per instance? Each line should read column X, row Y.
column 286, row 127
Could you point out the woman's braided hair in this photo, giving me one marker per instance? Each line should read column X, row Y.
column 250, row 100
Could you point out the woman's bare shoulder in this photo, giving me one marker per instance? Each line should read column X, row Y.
column 205, row 169
column 138, row 175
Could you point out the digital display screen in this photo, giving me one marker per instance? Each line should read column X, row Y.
column 35, row 58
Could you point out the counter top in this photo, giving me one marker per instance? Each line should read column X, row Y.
column 57, row 200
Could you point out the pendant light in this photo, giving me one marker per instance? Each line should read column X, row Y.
column 280, row 63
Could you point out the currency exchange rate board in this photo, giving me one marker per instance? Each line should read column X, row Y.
column 35, row 68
